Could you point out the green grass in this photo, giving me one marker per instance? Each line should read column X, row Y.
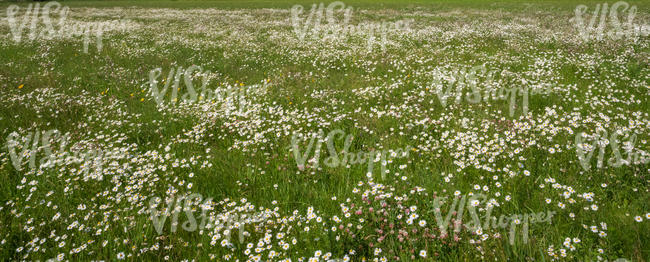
column 102, row 98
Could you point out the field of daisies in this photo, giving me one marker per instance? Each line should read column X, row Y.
column 325, row 131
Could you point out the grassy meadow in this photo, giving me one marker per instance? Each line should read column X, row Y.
column 183, row 132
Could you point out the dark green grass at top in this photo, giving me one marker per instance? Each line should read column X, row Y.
column 518, row 5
